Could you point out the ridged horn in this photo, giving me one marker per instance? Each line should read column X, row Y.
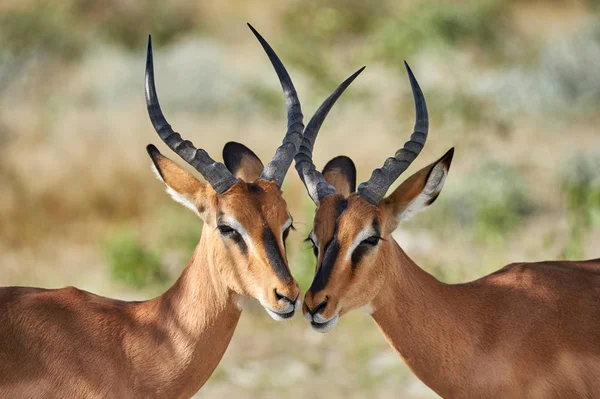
column 214, row 172
column 277, row 168
column 382, row 178
column 314, row 181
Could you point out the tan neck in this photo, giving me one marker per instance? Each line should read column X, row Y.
column 423, row 320
column 192, row 322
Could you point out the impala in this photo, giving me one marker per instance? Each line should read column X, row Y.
column 71, row 343
column 528, row 330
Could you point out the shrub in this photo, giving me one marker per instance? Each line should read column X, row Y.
column 131, row 263
column 580, row 184
column 490, row 204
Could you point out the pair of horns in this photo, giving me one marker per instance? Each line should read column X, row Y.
column 298, row 142
column 382, row 178
column 216, row 173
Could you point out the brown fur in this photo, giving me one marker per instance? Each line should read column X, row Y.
column 250, row 169
column 71, row 343
column 337, row 179
column 529, row 330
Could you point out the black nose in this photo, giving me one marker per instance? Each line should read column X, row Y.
column 318, row 308
column 285, row 298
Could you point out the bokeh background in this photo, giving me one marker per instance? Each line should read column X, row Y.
column 513, row 85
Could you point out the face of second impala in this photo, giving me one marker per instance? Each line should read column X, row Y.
column 352, row 239
column 347, row 237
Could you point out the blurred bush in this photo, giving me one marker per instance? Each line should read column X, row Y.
column 491, row 202
column 581, row 187
column 131, row 262
column 40, row 35
column 442, row 25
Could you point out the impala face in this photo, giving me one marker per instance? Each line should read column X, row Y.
column 346, row 240
column 352, row 229
column 246, row 226
column 246, row 220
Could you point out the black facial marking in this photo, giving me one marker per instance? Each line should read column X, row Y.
column 254, row 188
column 377, row 227
column 274, row 256
column 332, row 250
column 242, row 245
column 340, row 207
column 357, row 255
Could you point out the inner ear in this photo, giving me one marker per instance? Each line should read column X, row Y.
column 181, row 185
column 242, row 162
column 340, row 172
column 420, row 190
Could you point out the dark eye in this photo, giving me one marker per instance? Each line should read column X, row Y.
column 371, row 241
column 227, row 230
column 363, row 248
column 314, row 246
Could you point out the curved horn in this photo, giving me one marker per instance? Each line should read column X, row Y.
column 382, row 178
column 214, row 172
column 314, row 181
column 277, row 168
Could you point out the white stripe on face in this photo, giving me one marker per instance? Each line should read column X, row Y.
column 237, row 226
column 363, row 235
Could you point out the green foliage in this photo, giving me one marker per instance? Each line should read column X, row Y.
column 176, row 229
column 132, row 263
column 490, row 204
column 388, row 31
column 581, row 187
column 443, row 25
column 332, row 22
column 129, row 24
column 39, row 34
column 42, row 29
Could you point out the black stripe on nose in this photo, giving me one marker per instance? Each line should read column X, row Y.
column 332, row 250
column 274, row 256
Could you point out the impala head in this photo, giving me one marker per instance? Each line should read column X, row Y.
column 351, row 234
column 246, row 220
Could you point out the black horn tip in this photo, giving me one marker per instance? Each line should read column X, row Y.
column 355, row 74
column 149, row 62
column 258, row 35
column 149, row 48
column 411, row 76
column 153, row 151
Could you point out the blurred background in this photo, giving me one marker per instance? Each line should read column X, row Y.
column 513, row 85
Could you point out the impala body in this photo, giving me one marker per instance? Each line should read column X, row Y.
column 69, row 343
column 529, row 330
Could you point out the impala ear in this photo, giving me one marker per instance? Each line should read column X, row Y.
column 340, row 172
column 242, row 162
column 181, row 185
column 420, row 190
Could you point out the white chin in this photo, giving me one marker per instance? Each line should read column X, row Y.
column 280, row 316
column 327, row 326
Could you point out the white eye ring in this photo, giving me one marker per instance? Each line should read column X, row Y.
column 366, row 233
